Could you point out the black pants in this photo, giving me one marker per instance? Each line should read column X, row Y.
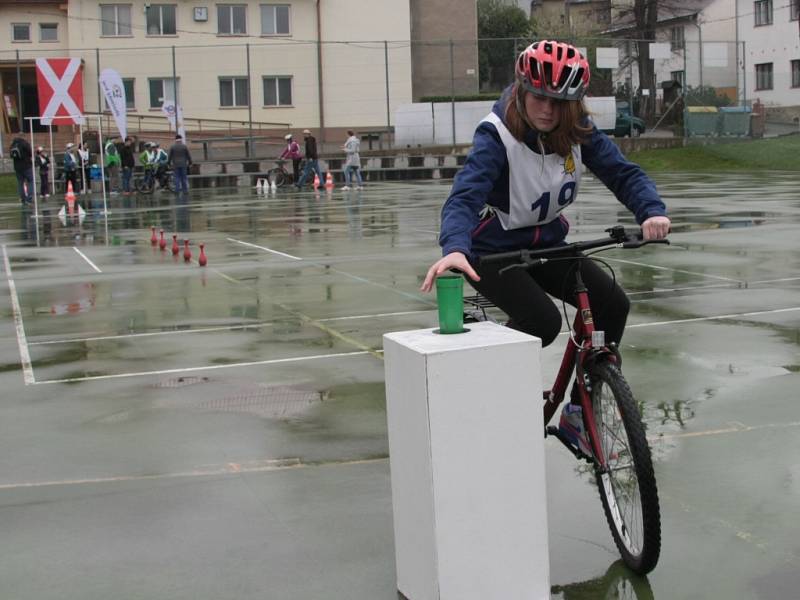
column 296, row 169
column 523, row 296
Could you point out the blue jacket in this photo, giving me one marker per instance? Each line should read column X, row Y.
column 484, row 180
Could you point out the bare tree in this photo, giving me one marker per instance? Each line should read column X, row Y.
column 643, row 17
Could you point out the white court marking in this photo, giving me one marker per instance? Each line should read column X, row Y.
column 206, row 368
column 373, row 352
column 86, row 258
column 24, row 353
column 660, row 268
column 264, row 248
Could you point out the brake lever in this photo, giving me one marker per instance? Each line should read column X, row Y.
column 526, row 265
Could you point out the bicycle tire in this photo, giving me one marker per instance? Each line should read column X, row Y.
column 277, row 176
column 628, row 489
column 140, row 186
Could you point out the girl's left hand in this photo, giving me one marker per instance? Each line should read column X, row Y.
column 656, row 228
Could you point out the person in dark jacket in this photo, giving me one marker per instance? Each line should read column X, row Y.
column 22, row 155
column 523, row 170
column 180, row 159
column 312, row 160
column 70, row 164
column 43, row 162
column 128, row 162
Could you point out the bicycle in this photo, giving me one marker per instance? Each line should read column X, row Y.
column 147, row 185
column 621, row 458
column 280, row 176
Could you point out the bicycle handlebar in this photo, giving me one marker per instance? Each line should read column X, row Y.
column 617, row 236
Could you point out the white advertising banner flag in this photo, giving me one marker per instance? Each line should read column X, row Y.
column 607, row 58
column 114, row 93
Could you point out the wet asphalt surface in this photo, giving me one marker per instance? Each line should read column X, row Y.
column 173, row 431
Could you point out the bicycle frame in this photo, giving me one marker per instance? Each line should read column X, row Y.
column 573, row 361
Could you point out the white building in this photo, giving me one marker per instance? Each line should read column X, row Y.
column 309, row 63
column 770, row 35
column 702, row 44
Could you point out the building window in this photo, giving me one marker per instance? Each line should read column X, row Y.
column 795, row 73
column 231, row 19
column 678, row 76
column 274, row 19
column 48, row 32
column 130, row 102
column 233, row 91
column 763, row 12
column 677, row 41
column 161, row 90
column 277, row 91
column 20, row 32
column 115, row 19
column 764, row 76
column 161, row 19
column 794, row 10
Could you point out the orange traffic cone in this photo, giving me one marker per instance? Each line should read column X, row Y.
column 328, row 181
column 316, row 181
column 70, row 197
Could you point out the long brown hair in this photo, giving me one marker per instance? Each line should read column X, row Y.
column 570, row 130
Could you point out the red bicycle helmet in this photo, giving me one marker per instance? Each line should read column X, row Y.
column 553, row 69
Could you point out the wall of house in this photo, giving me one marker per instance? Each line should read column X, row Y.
column 354, row 69
column 778, row 44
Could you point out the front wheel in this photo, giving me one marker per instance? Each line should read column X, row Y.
column 628, row 485
column 277, row 176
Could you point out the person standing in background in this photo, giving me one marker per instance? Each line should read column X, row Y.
column 21, row 153
column 312, row 160
column 128, row 162
column 292, row 151
column 43, row 162
column 83, row 156
column 180, row 159
column 70, row 168
column 353, row 162
column 113, row 162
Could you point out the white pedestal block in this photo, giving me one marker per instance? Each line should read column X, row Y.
column 466, row 450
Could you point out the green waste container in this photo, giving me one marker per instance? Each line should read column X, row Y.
column 702, row 120
column 735, row 120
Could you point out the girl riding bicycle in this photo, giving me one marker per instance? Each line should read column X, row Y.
column 524, row 169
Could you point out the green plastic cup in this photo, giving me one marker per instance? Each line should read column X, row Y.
column 450, row 298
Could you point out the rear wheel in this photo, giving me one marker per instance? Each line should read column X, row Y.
column 277, row 176
column 628, row 485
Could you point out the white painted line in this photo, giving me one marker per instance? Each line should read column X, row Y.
column 372, row 316
column 264, row 248
column 256, row 325
column 717, row 317
column 712, row 318
column 657, row 267
column 231, row 468
column 24, row 354
column 152, row 333
column 86, row 258
column 206, row 368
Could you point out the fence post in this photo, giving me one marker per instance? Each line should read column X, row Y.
column 175, row 89
column 99, row 93
column 20, row 111
column 250, row 152
column 386, row 65
column 452, row 93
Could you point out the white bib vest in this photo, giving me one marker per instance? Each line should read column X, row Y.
column 539, row 186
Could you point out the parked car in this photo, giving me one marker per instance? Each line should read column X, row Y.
column 623, row 126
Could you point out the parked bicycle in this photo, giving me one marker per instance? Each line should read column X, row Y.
column 280, row 175
column 148, row 183
column 620, row 454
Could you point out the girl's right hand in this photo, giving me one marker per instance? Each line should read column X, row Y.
column 454, row 260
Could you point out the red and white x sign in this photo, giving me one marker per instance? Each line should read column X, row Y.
column 60, row 83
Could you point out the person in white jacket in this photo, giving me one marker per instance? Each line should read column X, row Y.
column 353, row 161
